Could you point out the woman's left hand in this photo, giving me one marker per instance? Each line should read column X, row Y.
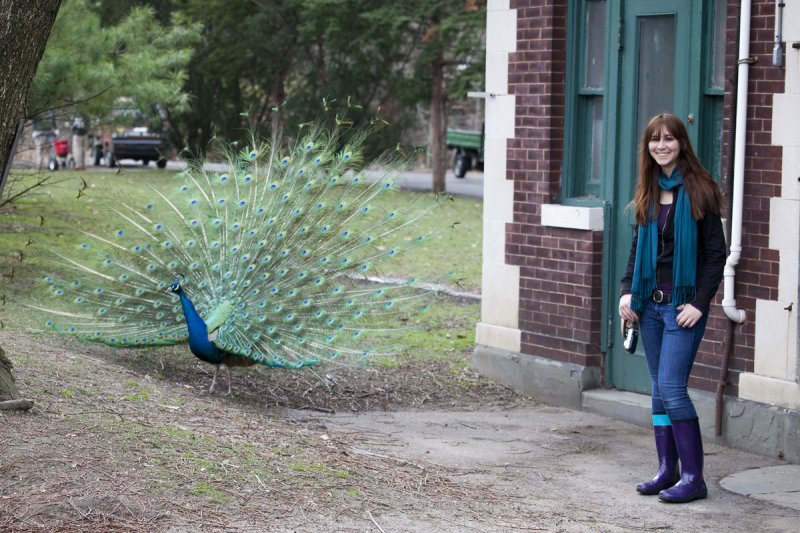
column 688, row 316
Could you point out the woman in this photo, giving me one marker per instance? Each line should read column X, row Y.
column 676, row 263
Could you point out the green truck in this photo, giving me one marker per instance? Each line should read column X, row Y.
column 468, row 146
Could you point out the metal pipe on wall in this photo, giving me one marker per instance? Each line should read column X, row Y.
column 729, row 299
column 734, row 189
column 777, row 52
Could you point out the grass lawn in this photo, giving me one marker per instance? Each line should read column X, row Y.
column 53, row 218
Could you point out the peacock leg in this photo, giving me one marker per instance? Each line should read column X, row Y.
column 214, row 379
column 229, row 380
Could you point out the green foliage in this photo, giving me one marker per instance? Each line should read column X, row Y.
column 292, row 54
column 215, row 68
column 76, row 63
column 230, row 76
column 450, row 31
column 88, row 68
column 150, row 61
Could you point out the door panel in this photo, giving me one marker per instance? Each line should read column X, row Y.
column 656, row 74
column 656, row 38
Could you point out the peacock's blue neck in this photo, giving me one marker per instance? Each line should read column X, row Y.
column 198, row 332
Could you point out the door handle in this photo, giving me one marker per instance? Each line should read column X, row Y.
column 690, row 119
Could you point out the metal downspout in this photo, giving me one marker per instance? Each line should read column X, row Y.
column 729, row 299
column 734, row 190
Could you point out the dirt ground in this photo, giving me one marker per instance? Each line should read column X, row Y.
column 130, row 440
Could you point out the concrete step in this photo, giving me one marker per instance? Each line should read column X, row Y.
column 622, row 405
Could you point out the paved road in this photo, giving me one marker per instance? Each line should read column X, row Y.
column 470, row 186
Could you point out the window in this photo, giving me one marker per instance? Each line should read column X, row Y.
column 710, row 152
column 583, row 162
column 718, row 37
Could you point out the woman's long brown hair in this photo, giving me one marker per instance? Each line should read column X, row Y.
column 704, row 193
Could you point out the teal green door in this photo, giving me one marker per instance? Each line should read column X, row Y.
column 659, row 70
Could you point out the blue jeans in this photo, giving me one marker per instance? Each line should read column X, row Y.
column 670, row 351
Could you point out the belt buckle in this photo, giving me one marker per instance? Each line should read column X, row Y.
column 658, row 296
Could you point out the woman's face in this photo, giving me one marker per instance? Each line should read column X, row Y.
column 664, row 149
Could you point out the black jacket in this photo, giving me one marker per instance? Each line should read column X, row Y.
column 711, row 256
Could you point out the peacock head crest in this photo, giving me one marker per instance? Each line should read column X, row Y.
column 174, row 287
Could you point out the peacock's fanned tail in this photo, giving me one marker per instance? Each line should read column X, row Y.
column 270, row 252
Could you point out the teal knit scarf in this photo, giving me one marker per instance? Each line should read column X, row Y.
column 684, row 263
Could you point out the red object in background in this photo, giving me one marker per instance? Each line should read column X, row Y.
column 62, row 148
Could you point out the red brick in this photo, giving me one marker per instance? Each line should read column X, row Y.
column 561, row 285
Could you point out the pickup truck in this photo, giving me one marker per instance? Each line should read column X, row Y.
column 138, row 145
column 468, row 146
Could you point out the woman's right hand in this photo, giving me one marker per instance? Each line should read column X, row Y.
column 625, row 310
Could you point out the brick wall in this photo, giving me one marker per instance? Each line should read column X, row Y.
column 757, row 273
column 560, row 270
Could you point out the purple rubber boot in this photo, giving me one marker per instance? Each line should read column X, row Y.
column 690, row 450
column 668, row 473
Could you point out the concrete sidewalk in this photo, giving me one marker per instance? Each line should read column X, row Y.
column 566, row 470
column 778, row 484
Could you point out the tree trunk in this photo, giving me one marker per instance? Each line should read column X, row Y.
column 437, row 127
column 8, row 389
column 24, row 28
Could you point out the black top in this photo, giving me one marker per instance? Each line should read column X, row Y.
column 711, row 255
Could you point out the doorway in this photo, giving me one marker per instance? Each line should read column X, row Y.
column 659, row 71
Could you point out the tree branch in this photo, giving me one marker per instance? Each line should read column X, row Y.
column 41, row 182
column 69, row 103
column 16, row 405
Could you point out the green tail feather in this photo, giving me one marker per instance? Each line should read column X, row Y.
column 270, row 252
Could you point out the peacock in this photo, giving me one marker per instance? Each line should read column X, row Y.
column 265, row 262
